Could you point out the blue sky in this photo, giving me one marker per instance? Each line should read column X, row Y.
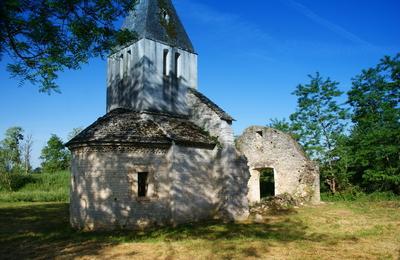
column 252, row 54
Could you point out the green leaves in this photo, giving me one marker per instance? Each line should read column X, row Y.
column 10, row 155
column 375, row 139
column 55, row 157
column 46, row 37
column 319, row 117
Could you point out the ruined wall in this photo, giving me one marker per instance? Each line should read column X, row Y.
column 230, row 165
column 294, row 173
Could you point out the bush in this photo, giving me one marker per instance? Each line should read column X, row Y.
column 45, row 187
column 358, row 195
column 14, row 181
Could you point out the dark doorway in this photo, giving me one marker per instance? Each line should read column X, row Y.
column 267, row 183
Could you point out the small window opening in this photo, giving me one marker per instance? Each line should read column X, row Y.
column 165, row 16
column 142, row 184
column 267, row 182
column 177, row 65
column 165, row 63
column 121, row 66
column 260, row 133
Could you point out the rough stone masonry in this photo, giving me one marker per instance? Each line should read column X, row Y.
column 164, row 154
column 294, row 173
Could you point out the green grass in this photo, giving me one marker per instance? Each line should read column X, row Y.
column 45, row 187
column 360, row 196
column 340, row 230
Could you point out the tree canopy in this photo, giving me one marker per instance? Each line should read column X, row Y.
column 375, row 138
column 44, row 38
column 55, row 156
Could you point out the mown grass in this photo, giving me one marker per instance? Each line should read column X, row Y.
column 45, row 187
column 339, row 230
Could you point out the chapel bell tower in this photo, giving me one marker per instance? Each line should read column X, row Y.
column 153, row 73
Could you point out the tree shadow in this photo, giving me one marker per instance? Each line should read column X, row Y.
column 43, row 231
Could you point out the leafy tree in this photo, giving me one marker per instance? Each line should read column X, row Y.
column 281, row 125
column 319, row 121
column 46, row 37
column 55, row 156
column 10, row 150
column 375, row 138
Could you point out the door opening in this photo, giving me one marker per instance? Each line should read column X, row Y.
column 267, row 182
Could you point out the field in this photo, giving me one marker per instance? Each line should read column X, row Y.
column 45, row 187
column 334, row 230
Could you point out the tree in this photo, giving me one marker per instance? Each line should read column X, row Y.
column 26, row 153
column 46, row 37
column 281, row 125
column 10, row 150
column 55, row 157
column 375, row 138
column 319, row 121
column 74, row 132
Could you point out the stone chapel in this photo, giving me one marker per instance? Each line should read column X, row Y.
column 164, row 153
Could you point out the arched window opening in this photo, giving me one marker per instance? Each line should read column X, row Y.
column 177, row 65
column 165, row 63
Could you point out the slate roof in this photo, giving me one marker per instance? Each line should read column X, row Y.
column 147, row 21
column 126, row 127
column 219, row 111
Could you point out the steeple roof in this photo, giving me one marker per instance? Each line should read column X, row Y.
column 157, row 20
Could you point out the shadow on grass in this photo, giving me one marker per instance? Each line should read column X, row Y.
column 42, row 230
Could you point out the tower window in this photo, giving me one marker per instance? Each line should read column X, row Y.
column 177, row 65
column 165, row 63
column 121, row 66
column 142, row 184
column 165, row 16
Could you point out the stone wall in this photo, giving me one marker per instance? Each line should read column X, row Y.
column 136, row 80
column 234, row 173
column 183, row 186
column 294, row 173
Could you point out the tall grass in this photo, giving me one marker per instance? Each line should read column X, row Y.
column 360, row 196
column 45, row 187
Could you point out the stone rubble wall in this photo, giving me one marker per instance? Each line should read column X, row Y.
column 294, row 173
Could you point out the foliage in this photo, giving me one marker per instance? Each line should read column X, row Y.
column 44, row 187
column 319, row 117
column 356, row 194
column 281, row 125
column 55, row 157
column 46, row 37
column 319, row 122
column 10, row 154
column 375, row 138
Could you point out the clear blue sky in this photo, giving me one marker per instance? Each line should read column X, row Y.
column 252, row 54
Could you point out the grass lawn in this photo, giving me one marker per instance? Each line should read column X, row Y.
column 339, row 230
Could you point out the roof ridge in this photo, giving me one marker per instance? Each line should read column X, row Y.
column 212, row 105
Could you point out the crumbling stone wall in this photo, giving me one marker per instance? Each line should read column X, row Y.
column 294, row 173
